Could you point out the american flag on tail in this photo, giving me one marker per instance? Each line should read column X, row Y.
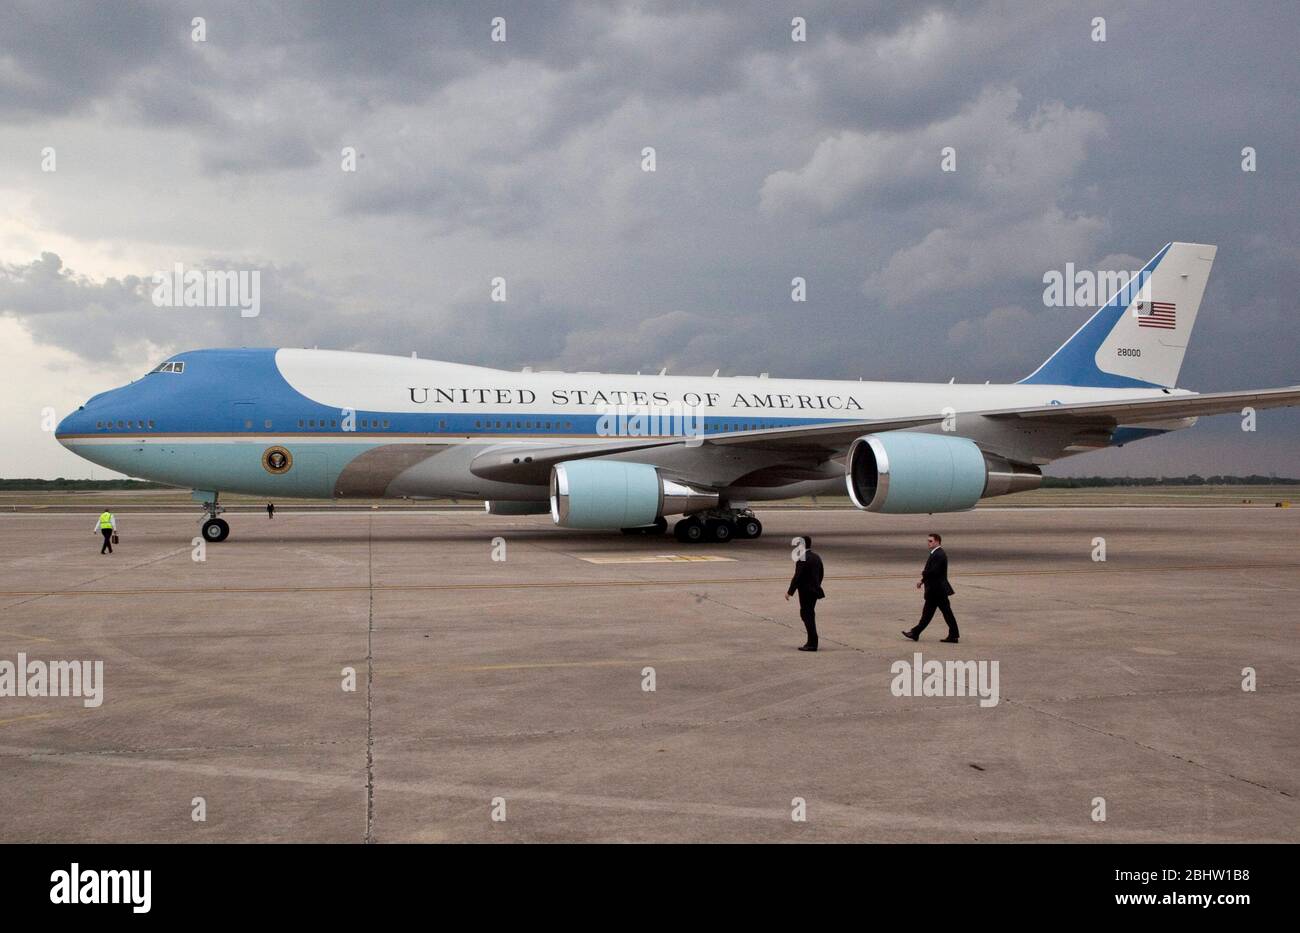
column 1156, row 314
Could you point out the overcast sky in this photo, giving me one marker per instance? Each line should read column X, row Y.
column 522, row 159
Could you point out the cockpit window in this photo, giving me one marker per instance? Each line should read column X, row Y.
column 175, row 366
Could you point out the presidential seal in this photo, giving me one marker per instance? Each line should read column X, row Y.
column 276, row 460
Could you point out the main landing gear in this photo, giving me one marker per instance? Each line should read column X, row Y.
column 214, row 529
column 718, row 526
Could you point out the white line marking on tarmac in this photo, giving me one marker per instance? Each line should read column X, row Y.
column 1124, row 667
column 654, row 559
column 834, row 814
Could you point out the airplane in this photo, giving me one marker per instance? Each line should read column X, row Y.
column 602, row 451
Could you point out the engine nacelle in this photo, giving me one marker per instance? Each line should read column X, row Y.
column 903, row 472
column 615, row 494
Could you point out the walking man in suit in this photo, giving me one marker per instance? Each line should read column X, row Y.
column 807, row 582
column 934, row 581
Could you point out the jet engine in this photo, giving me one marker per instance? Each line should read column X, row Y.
column 904, row 472
column 615, row 494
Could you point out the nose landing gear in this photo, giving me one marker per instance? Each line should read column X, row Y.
column 214, row 529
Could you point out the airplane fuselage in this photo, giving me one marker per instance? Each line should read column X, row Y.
column 365, row 425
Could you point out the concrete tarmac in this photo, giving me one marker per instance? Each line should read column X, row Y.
column 515, row 687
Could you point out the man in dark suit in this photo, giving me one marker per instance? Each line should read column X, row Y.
column 934, row 580
column 807, row 582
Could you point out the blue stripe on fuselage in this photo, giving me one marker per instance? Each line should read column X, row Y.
column 204, row 398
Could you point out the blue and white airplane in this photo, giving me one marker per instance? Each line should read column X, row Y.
column 602, row 451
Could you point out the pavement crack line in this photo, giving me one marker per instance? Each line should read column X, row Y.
column 602, row 584
column 35, row 597
column 370, row 683
column 1151, row 748
column 774, row 621
column 159, row 751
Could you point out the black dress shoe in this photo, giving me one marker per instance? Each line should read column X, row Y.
column 807, row 647
column 912, row 635
column 948, row 641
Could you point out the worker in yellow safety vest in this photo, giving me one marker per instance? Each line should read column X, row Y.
column 106, row 524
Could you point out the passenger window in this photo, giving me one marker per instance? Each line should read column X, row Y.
column 385, row 423
column 266, row 424
column 300, row 422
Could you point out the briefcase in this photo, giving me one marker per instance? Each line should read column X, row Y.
column 116, row 539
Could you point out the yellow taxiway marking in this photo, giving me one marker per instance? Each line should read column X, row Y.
column 27, row 637
column 657, row 559
column 529, row 665
column 560, row 584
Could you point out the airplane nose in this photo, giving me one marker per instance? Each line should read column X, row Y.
column 73, row 423
column 64, row 428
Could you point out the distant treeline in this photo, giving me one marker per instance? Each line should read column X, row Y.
column 71, row 485
column 1076, row 482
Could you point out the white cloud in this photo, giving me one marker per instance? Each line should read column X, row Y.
column 1004, row 162
column 49, row 378
column 973, row 255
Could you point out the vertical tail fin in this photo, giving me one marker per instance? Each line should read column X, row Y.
column 1138, row 338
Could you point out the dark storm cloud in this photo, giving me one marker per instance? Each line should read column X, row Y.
column 775, row 159
column 58, row 58
column 118, row 319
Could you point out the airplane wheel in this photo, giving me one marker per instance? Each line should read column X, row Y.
column 749, row 528
column 214, row 529
column 689, row 531
column 720, row 531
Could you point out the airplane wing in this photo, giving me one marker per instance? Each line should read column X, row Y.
column 1113, row 413
column 520, row 463
column 1159, row 409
